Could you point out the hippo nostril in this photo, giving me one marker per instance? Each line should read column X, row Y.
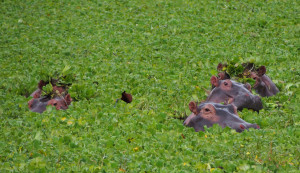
column 242, row 126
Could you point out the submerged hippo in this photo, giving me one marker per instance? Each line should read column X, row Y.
column 208, row 114
column 59, row 98
column 264, row 86
column 231, row 92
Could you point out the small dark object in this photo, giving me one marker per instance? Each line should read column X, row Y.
column 126, row 97
column 208, row 114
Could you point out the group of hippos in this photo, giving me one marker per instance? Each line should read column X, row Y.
column 235, row 96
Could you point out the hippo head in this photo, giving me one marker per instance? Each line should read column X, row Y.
column 264, row 86
column 208, row 114
column 231, row 92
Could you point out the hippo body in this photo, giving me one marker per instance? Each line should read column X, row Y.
column 208, row 114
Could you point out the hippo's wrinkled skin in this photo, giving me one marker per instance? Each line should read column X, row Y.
column 208, row 114
column 231, row 92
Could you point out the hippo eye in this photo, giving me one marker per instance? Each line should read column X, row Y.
column 55, row 104
column 225, row 83
column 206, row 110
column 254, row 78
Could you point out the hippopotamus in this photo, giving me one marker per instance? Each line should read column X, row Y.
column 264, row 86
column 39, row 104
column 209, row 113
column 58, row 98
column 231, row 92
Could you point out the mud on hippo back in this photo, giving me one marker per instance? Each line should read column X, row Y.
column 231, row 92
column 208, row 114
column 264, row 86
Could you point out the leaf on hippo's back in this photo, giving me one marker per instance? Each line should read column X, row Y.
column 47, row 89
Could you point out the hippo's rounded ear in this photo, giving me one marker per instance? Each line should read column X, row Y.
column 223, row 76
column 261, row 70
column 68, row 99
column 248, row 86
column 41, row 84
column 193, row 107
column 220, row 67
column 214, row 81
column 235, row 110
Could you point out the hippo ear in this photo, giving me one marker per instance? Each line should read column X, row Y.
column 41, row 84
column 232, row 109
column 223, row 76
column 220, row 67
column 193, row 107
column 248, row 87
column 68, row 99
column 235, row 110
column 261, row 70
column 214, row 81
